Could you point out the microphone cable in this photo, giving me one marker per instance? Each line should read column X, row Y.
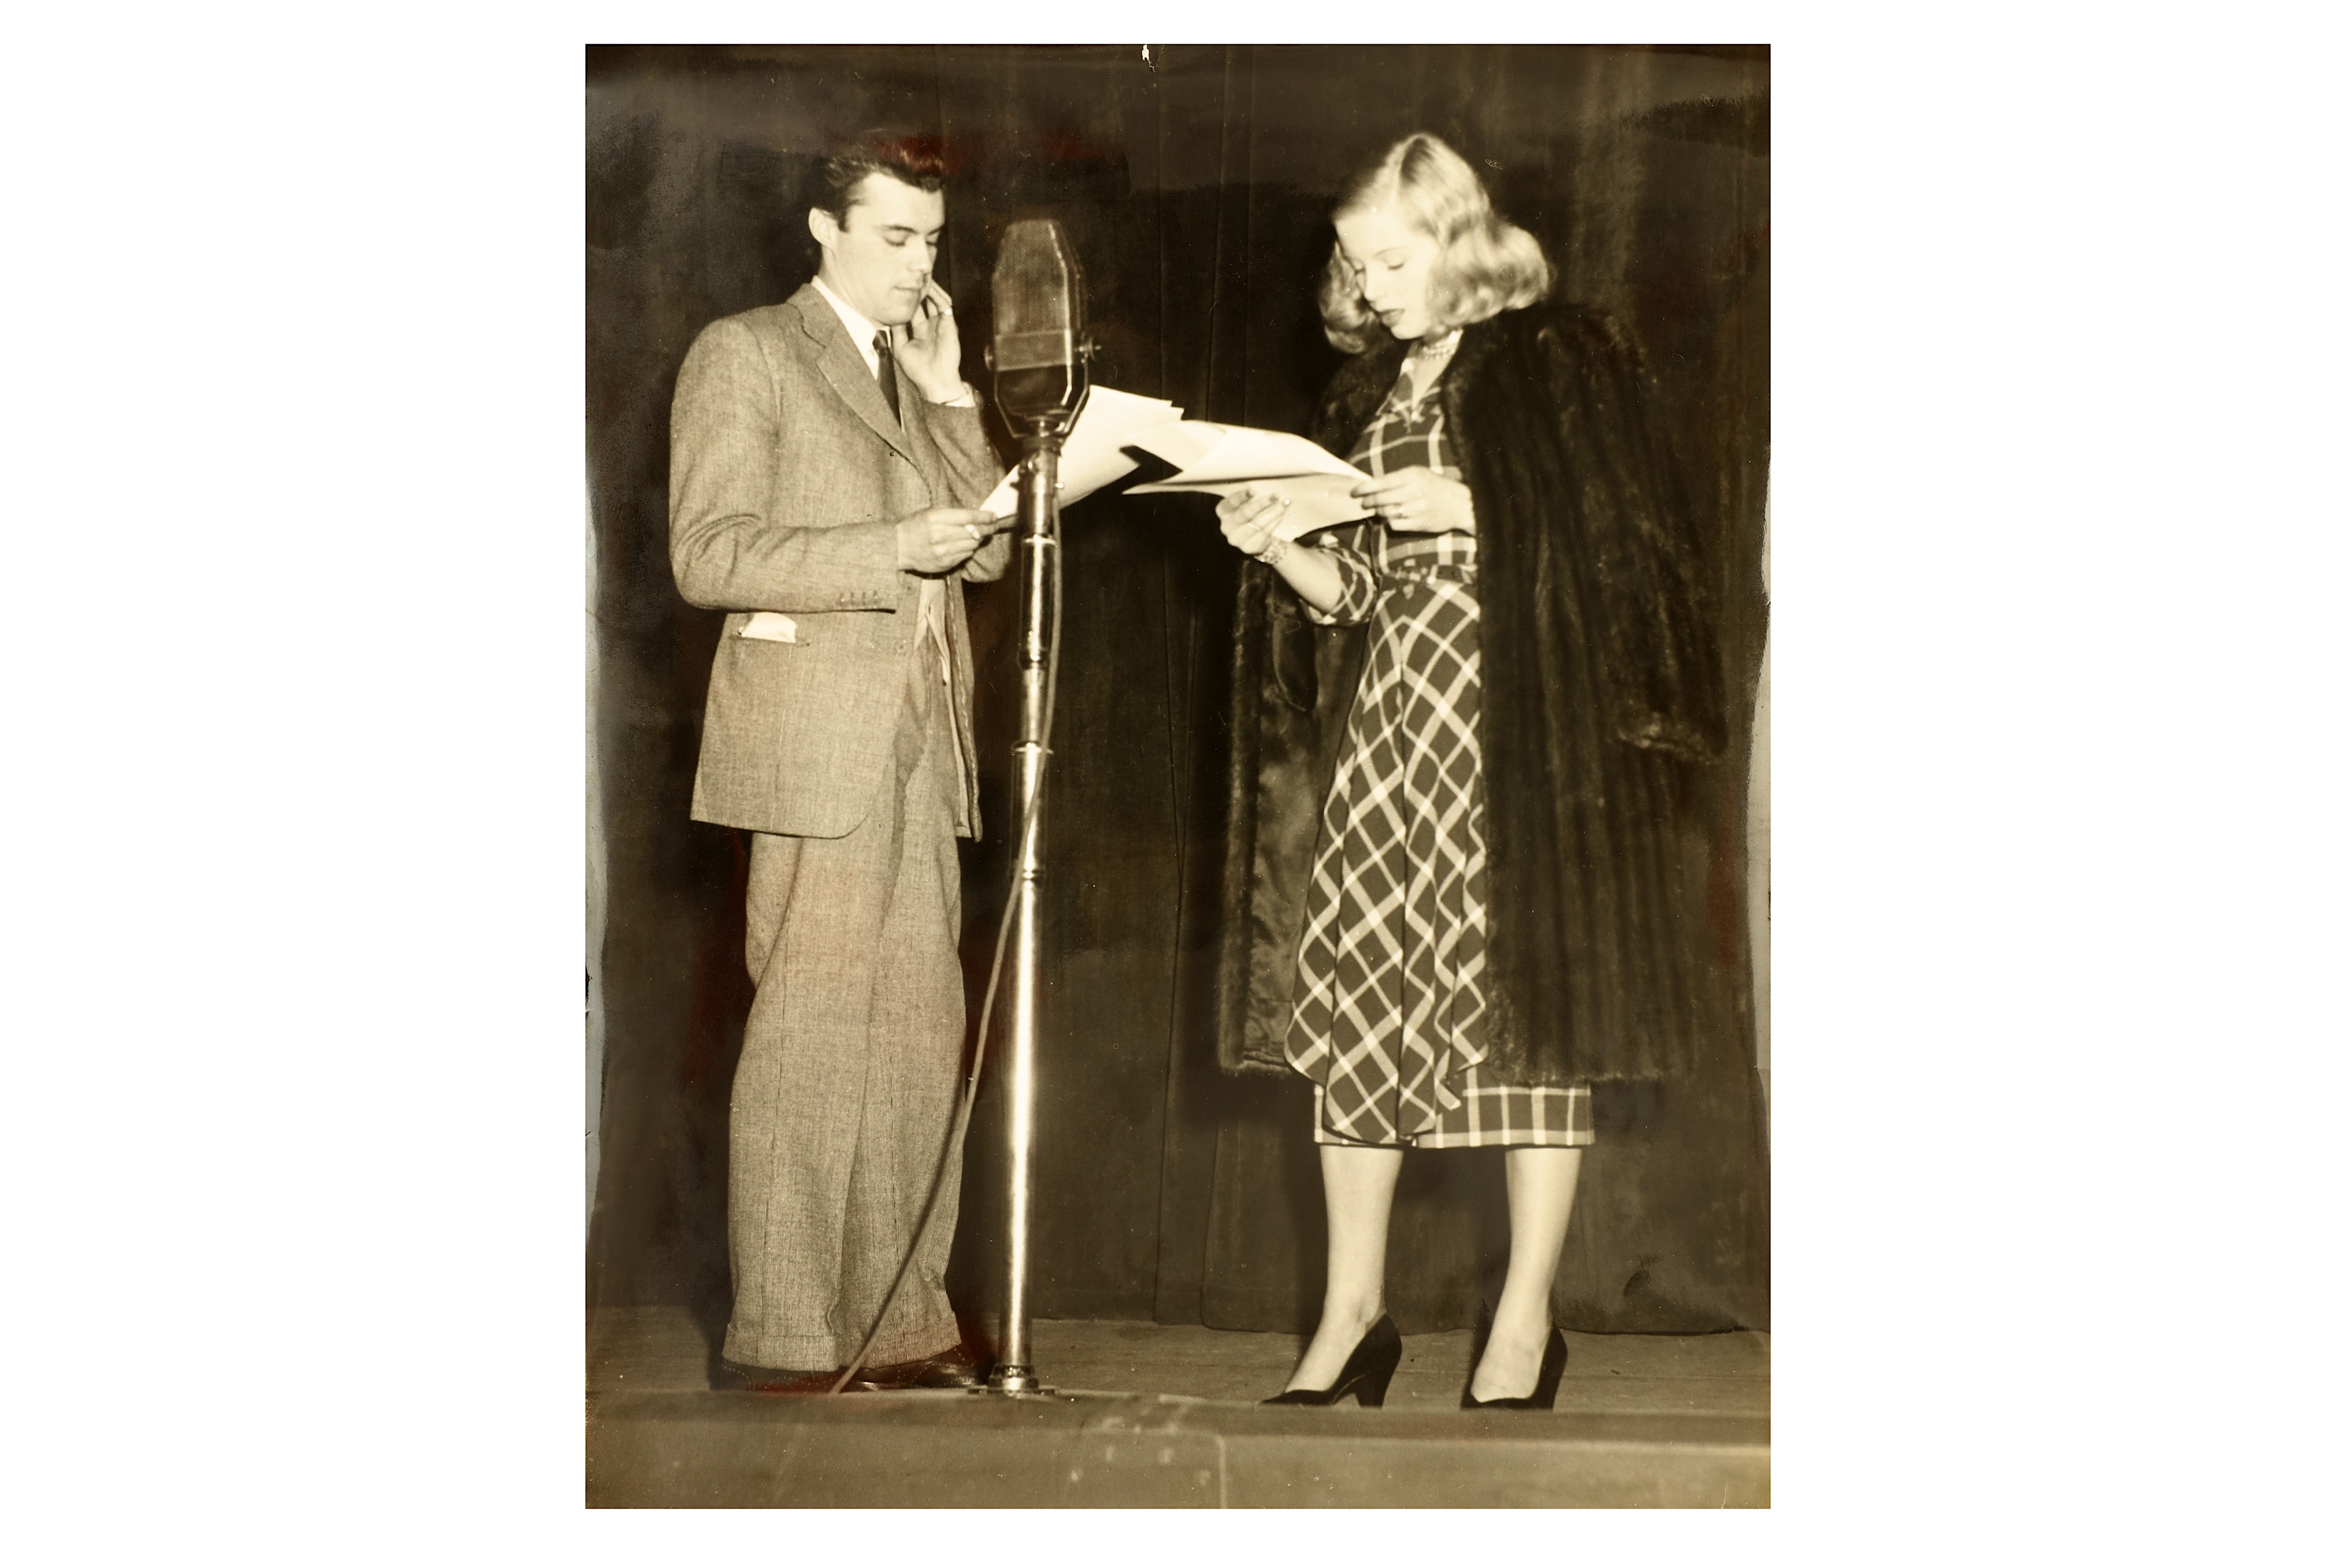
column 1027, row 846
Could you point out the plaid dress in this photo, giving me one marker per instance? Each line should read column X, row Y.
column 1390, row 1016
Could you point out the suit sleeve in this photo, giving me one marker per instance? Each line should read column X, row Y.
column 989, row 561
column 725, row 550
column 972, row 472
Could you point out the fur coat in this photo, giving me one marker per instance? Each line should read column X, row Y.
column 1603, row 693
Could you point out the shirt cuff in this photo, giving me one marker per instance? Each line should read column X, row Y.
column 964, row 399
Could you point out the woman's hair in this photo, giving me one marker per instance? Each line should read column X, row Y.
column 1486, row 265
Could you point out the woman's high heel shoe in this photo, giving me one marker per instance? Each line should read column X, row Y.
column 1547, row 1389
column 1369, row 1366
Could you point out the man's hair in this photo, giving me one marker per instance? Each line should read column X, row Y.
column 913, row 160
column 1485, row 264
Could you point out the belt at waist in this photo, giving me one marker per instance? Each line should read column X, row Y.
column 1434, row 571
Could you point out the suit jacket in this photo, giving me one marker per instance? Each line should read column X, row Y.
column 787, row 479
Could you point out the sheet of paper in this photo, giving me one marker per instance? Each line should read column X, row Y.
column 1215, row 459
column 1206, row 453
column 1093, row 456
column 1112, row 412
column 1317, row 500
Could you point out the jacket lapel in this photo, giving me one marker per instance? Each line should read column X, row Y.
column 844, row 367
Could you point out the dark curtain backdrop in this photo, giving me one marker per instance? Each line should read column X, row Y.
column 1194, row 187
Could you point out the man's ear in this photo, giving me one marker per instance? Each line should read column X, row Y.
column 824, row 226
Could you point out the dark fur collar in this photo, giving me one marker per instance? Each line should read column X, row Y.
column 1360, row 384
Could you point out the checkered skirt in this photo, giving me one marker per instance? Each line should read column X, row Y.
column 1389, row 1017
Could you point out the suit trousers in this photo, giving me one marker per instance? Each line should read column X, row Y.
column 845, row 1094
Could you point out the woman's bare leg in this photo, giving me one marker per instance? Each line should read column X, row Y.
column 1542, row 1185
column 1359, row 1189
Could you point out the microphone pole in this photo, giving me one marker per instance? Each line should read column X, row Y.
column 1039, row 359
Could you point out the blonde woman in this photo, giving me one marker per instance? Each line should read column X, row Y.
column 1498, row 909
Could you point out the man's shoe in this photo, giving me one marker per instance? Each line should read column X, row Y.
column 951, row 1368
column 734, row 1377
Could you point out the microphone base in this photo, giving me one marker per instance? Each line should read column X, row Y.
column 1014, row 1380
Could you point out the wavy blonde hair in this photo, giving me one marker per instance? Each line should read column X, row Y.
column 1485, row 264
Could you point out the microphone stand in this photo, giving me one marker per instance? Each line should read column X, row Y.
column 1041, row 576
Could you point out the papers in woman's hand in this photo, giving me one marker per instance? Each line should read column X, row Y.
column 1220, row 459
column 1208, row 455
column 1317, row 500
column 1215, row 459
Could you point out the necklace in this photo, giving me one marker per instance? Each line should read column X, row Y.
column 1423, row 364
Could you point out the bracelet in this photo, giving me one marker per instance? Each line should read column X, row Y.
column 1272, row 555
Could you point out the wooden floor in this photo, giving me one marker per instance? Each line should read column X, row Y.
column 662, row 1350
column 1167, row 1416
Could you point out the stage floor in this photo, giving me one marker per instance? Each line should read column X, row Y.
column 1148, row 1415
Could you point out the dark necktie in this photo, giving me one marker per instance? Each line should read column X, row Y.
column 886, row 371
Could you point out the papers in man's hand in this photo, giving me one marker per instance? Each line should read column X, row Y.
column 1091, row 456
column 1220, row 459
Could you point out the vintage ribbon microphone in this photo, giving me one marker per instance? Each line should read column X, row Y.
column 1039, row 354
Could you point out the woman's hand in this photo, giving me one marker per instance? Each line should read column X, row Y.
column 1249, row 518
column 1418, row 500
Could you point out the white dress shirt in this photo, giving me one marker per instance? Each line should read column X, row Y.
column 861, row 332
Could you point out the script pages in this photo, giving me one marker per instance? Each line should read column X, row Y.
column 1092, row 454
column 1220, row 459
column 1213, row 459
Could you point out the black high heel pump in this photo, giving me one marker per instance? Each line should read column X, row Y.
column 1547, row 1389
column 1369, row 1366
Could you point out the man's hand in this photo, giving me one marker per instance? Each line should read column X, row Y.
column 933, row 357
column 941, row 539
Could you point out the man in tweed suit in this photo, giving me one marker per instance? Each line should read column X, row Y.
column 823, row 454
